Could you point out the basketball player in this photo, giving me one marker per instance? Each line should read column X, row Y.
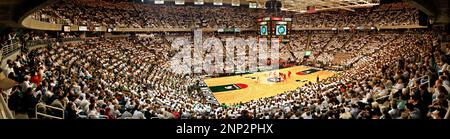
column 289, row 74
column 275, row 75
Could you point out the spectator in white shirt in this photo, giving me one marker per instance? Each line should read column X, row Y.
column 127, row 114
column 399, row 84
column 26, row 83
column 93, row 113
column 138, row 113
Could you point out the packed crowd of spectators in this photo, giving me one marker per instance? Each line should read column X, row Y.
column 21, row 36
column 138, row 15
column 389, row 74
column 93, row 78
column 338, row 49
column 396, row 14
column 24, row 35
column 18, row 39
column 130, row 78
column 386, row 84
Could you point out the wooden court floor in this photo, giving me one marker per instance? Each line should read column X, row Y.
column 260, row 87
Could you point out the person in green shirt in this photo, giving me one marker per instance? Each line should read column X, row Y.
column 224, row 105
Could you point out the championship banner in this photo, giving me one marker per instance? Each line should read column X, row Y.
column 235, row 3
column 218, row 2
column 311, row 9
column 159, row 1
column 179, row 2
column 253, row 5
column 199, row 2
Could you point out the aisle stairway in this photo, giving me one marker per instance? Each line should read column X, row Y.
column 339, row 57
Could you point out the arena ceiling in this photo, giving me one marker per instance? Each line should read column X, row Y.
column 12, row 10
column 301, row 5
column 437, row 9
column 292, row 5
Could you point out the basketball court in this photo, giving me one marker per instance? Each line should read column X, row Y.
column 236, row 89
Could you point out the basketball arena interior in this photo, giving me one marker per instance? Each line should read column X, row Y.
column 224, row 59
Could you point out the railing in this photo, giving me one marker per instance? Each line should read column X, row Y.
column 5, row 113
column 9, row 49
column 43, row 42
column 6, row 51
column 426, row 81
column 38, row 42
column 46, row 109
column 15, row 46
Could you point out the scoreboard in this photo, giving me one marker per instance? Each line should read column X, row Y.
column 280, row 30
column 263, row 29
column 275, row 27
